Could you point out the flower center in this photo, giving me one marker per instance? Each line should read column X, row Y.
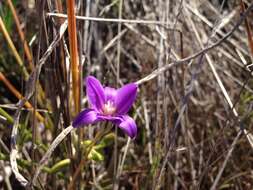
column 109, row 108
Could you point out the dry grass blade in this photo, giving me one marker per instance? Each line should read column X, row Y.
column 117, row 20
column 157, row 72
column 14, row 150
column 49, row 152
column 189, row 93
column 32, row 80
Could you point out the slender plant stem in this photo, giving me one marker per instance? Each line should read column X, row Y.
column 73, row 53
column 99, row 135
column 74, row 60
column 6, row 115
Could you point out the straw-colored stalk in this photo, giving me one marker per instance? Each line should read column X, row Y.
column 14, row 50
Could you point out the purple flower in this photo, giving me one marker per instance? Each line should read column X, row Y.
column 108, row 104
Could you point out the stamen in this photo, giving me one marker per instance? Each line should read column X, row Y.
column 109, row 108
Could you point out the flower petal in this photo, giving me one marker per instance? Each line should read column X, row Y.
column 95, row 93
column 110, row 94
column 124, row 122
column 86, row 117
column 114, row 119
column 125, row 98
column 128, row 125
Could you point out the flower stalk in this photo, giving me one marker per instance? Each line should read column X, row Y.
column 98, row 137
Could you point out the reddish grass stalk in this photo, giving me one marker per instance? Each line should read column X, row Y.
column 18, row 95
column 248, row 29
column 73, row 53
column 74, row 59
column 21, row 34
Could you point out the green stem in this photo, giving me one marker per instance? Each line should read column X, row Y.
column 6, row 115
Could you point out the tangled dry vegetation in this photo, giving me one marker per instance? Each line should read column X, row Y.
column 192, row 61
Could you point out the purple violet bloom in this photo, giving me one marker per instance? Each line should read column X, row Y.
column 108, row 104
